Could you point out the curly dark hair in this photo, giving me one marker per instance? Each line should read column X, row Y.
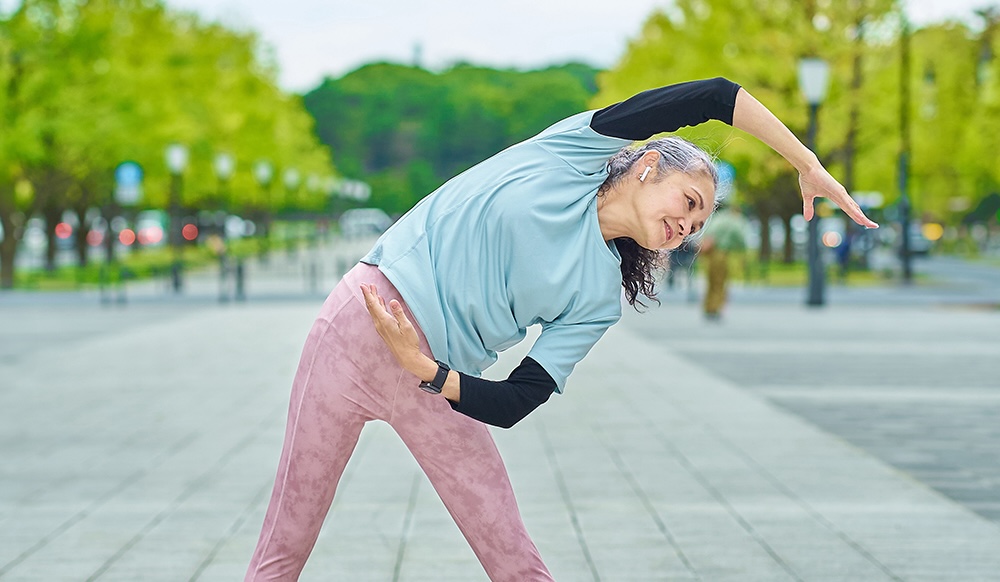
column 641, row 266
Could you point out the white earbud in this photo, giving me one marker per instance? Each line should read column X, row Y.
column 645, row 172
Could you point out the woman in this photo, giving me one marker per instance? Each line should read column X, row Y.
column 548, row 231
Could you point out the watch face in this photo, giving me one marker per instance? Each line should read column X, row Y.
column 428, row 387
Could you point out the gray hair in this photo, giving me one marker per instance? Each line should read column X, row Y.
column 676, row 155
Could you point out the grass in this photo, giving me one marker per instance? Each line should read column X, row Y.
column 145, row 264
column 779, row 274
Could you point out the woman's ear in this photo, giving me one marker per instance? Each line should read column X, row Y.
column 649, row 160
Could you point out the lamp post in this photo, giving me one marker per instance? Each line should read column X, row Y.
column 291, row 179
column 263, row 172
column 904, row 151
column 177, row 158
column 224, row 165
column 814, row 76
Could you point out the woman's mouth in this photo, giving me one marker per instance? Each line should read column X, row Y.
column 669, row 232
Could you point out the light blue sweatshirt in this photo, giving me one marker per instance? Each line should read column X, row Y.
column 509, row 243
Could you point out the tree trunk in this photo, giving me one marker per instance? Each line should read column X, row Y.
column 52, row 216
column 8, row 251
column 765, row 237
column 80, row 236
column 788, row 256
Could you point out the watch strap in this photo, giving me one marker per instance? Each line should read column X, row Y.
column 437, row 384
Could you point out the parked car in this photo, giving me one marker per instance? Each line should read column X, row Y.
column 919, row 244
column 359, row 222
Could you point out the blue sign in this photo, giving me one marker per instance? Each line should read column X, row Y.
column 128, row 174
column 128, row 183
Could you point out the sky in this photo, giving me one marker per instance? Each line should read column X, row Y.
column 317, row 38
column 313, row 39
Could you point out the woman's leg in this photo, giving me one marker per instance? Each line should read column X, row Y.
column 462, row 462
column 338, row 387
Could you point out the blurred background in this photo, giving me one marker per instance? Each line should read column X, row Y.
column 183, row 181
column 142, row 139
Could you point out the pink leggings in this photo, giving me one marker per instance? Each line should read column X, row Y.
column 346, row 377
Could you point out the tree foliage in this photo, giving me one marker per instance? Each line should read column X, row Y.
column 88, row 84
column 406, row 130
column 953, row 109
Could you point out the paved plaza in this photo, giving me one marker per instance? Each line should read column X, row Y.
column 853, row 443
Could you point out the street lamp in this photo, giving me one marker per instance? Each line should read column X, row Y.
column 224, row 165
column 291, row 178
column 904, row 150
column 177, row 159
column 814, row 77
column 263, row 172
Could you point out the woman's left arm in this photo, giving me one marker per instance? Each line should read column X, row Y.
column 752, row 117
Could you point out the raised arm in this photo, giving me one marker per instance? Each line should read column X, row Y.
column 668, row 109
column 752, row 117
column 684, row 104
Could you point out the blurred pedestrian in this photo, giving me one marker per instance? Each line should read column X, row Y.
column 546, row 232
column 724, row 239
column 843, row 254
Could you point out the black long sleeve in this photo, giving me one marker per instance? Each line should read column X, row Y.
column 668, row 109
column 503, row 403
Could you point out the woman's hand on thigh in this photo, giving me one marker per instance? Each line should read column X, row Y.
column 397, row 332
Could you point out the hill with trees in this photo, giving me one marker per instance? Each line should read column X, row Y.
column 406, row 130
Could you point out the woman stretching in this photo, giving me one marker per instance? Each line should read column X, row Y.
column 546, row 232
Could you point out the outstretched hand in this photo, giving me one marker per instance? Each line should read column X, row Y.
column 818, row 183
column 393, row 327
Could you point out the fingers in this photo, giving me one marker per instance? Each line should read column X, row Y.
column 393, row 316
column 853, row 210
column 374, row 303
column 858, row 215
column 807, row 207
column 400, row 315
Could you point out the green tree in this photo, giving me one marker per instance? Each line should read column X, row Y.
column 406, row 130
column 86, row 85
column 757, row 44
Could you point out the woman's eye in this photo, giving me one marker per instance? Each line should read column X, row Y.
column 690, row 203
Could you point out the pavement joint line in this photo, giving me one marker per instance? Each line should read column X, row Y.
column 244, row 515
column 411, row 506
column 644, row 499
column 713, row 491
column 721, row 499
column 192, row 487
column 83, row 513
column 567, row 499
column 125, row 444
column 854, row 393
column 776, row 483
column 822, row 347
column 784, row 489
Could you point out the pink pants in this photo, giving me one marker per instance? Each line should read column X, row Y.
column 346, row 377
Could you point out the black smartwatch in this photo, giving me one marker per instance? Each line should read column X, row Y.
column 435, row 385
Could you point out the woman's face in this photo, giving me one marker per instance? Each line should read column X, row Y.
column 673, row 208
